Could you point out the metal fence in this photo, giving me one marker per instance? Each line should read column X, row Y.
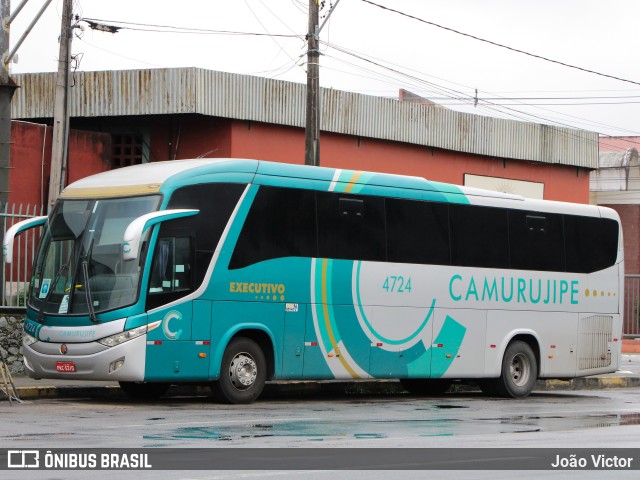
column 16, row 276
column 631, row 314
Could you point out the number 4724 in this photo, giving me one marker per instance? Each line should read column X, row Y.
column 397, row 284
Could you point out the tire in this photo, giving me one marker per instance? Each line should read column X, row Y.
column 144, row 390
column 243, row 372
column 426, row 386
column 519, row 371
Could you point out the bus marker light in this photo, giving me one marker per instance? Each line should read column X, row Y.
column 615, row 339
column 154, row 325
column 551, row 356
column 448, row 355
column 492, row 346
column 330, row 355
column 440, row 345
column 552, row 346
column 378, row 344
column 202, row 355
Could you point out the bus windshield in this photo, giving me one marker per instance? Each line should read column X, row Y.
column 81, row 249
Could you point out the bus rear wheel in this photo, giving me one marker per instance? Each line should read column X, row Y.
column 426, row 386
column 243, row 372
column 519, row 371
column 144, row 390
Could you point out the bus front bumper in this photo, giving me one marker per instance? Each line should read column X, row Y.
column 87, row 361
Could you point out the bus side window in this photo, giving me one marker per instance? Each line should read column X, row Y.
column 281, row 223
column 216, row 202
column 536, row 241
column 171, row 268
column 417, row 232
column 351, row 227
column 591, row 243
column 350, row 207
column 479, row 236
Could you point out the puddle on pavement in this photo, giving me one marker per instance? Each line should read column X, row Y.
column 38, row 435
column 577, row 422
column 431, row 427
column 369, row 435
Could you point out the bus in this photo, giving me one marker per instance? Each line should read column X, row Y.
column 234, row 272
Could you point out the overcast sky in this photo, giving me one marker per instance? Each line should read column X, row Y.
column 370, row 50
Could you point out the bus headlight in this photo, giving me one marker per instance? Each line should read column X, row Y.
column 122, row 337
column 28, row 339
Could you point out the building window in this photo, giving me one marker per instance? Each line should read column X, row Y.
column 127, row 149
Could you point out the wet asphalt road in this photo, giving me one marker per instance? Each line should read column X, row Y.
column 588, row 419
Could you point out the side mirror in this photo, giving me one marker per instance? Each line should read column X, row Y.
column 135, row 230
column 9, row 237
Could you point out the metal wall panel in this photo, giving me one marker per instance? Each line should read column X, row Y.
column 228, row 95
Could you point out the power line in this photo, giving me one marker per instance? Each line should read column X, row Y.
column 147, row 27
column 566, row 98
column 490, row 107
column 267, row 31
column 120, row 55
column 519, row 103
column 495, row 106
column 501, row 45
column 485, row 105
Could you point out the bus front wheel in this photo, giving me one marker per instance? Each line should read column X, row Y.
column 243, row 372
column 519, row 371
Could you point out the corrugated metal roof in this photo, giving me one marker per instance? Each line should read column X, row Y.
column 615, row 172
column 220, row 94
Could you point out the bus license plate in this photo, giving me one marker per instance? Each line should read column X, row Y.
column 65, row 367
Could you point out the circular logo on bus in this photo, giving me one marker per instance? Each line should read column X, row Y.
column 63, row 349
column 173, row 331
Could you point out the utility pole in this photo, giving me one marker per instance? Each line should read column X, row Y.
column 7, row 87
column 60, row 148
column 312, row 131
column 314, row 107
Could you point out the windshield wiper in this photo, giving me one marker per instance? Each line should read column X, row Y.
column 87, row 288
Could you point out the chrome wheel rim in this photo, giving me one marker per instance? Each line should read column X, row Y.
column 520, row 369
column 243, row 371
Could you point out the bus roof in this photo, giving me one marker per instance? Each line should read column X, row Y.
column 164, row 177
column 146, row 178
column 151, row 177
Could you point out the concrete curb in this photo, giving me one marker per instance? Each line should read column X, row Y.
column 336, row 388
column 589, row 383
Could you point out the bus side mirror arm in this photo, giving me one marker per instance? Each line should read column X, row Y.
column 135, row 230
column 9, row 237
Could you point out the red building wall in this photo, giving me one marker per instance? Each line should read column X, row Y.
column 30, row 160
column 30, row 163
column 199, row 136
column 630, row 220
column 286, row 144
column 89, row 153
column 618, row 144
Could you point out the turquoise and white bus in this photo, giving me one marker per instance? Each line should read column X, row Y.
column 236, row 272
